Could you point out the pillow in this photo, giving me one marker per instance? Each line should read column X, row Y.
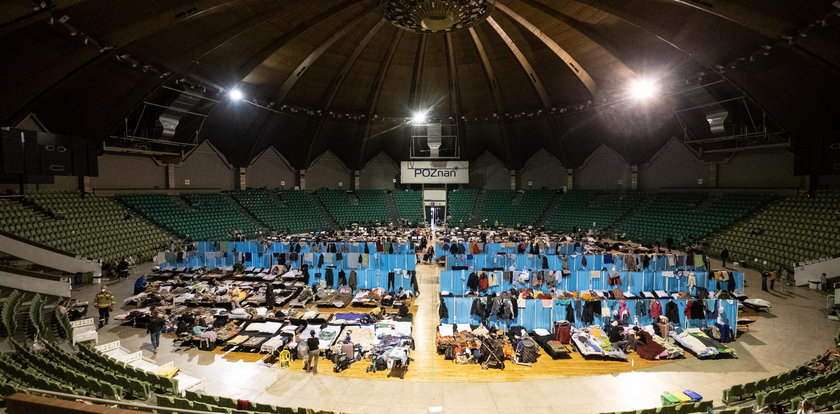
column 541, row 332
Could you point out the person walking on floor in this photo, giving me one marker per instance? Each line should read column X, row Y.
column 104, row 301
column 311, row 364
column 154, row 327
column 724, row 256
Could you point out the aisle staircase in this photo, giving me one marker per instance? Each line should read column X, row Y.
column 392, row 208
column 331, row 221
column 552, row 206
column 478, row 207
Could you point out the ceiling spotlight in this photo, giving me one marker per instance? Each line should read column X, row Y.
column 419, row 118
column 642, row 89
column 235, row 95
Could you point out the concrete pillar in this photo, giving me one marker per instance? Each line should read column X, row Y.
column 570, row 179
column 634, row 177
column 301, row 179
column 357, row 182
column 713, row 175
column 513, row 180
column 170, row 176
column 87, row 186
column 241, row 183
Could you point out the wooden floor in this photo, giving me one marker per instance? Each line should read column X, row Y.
column 437, row 369
column 428, row 366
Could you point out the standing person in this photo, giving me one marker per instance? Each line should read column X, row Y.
column 140, row 285
column 724, row 256
column 773, row 276
column 269, row 296
column 104, row 301
column 764, row 276
column 314, row 353
column 154, row 327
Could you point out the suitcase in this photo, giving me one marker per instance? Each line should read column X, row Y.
column 563, row 334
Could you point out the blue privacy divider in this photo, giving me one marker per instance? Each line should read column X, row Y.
column 535, row 314
column 455, row 282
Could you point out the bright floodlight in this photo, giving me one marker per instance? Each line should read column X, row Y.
column 418, row 118
column 642, row 89
column 235, row 94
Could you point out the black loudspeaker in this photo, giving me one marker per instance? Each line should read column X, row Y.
column 31, row 154
column 42, row 154
column 56, row 158
column 818, row 154
column 11, row 152
column 80, row 157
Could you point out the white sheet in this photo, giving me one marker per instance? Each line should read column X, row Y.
column 462, row 327
column 446, row 330
column 541, row 332
column 271, row 327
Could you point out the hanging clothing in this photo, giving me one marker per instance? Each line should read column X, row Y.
column 583, row 262
column 472, row 282
column 342, row 278
column 570, row 313
column 672, row 312
column 492, row 279
column 590, row 309
column 483, row 282
column 641, row 308
column 655, row 310
column 550, row 279
column 328, row 277
column 545, row 262
column 443, row 312
column 352, row 281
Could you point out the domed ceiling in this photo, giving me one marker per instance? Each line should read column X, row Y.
column 337, row 75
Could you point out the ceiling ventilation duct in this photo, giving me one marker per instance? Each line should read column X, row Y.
column 701, row 101
column 171, row 117
column 716, row 120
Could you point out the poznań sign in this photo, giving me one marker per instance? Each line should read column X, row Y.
column 435, row 172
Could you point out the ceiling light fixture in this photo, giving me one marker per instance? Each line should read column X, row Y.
column 235, row 95
column 431, row 16
column 642, row 89
column 419, row 118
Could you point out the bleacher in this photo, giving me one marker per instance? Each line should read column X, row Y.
column 46, row 361
column 202, row 216
column 686, row 217
column 364, row 207
column 409, row 205
column 579, row 209
column 790, row 230
column 289, row 211
column 459, row 205
column 789, row 389
column 94, row 227
column 510, row 208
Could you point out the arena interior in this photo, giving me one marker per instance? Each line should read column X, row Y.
column 419, row 206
